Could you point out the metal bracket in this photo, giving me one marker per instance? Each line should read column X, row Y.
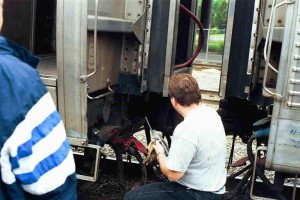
column 146, row 44
column 96, row 168
column 264, row 148
column 253, row 42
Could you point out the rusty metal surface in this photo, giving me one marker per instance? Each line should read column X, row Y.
column 108, row 62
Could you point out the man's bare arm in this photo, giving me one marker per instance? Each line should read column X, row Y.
column 173, row 175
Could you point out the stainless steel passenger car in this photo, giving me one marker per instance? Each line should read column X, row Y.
column 262, row 55
column 106, row 63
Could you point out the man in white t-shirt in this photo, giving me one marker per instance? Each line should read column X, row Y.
column 195, row 165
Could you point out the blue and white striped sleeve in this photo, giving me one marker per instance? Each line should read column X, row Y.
column 37, row 154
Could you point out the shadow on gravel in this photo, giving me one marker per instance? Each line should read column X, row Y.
column 106, row 188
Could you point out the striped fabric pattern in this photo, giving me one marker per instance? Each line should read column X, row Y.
column 38, row 151
column 36, row 161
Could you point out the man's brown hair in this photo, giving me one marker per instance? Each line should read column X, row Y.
column 184, row 88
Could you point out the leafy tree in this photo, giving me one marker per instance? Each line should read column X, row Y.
column 219, row 14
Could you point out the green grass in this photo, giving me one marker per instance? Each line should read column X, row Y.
column 216, row 46
column 217, row 37
column 216, row 43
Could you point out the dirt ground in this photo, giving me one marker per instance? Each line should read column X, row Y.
column 107, row 185
column 106, row 188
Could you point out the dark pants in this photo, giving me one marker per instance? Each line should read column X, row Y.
column 168, row 190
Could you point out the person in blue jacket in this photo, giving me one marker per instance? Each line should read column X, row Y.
column 36, row 161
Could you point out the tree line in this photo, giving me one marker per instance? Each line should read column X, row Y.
column 218, row 14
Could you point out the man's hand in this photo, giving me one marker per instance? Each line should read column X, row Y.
column 159, row 149
column 154, row 150
column 161, row 158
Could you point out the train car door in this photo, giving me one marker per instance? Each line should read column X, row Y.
column 284, row 140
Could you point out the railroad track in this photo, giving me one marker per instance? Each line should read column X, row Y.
column 208, row 76
column 211, row 98
column 132, row 170
column 201, row 66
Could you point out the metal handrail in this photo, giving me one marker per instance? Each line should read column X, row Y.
column 268, row 45
column 269, row 38
column 102, row 95
column 85, row 77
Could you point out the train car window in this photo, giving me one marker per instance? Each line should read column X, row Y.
column 18, row 21
column 31, row 23
column 44, row 39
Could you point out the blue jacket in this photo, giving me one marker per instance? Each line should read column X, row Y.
column 36, row 160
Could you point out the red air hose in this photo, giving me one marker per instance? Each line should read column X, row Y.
column 200, row 39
